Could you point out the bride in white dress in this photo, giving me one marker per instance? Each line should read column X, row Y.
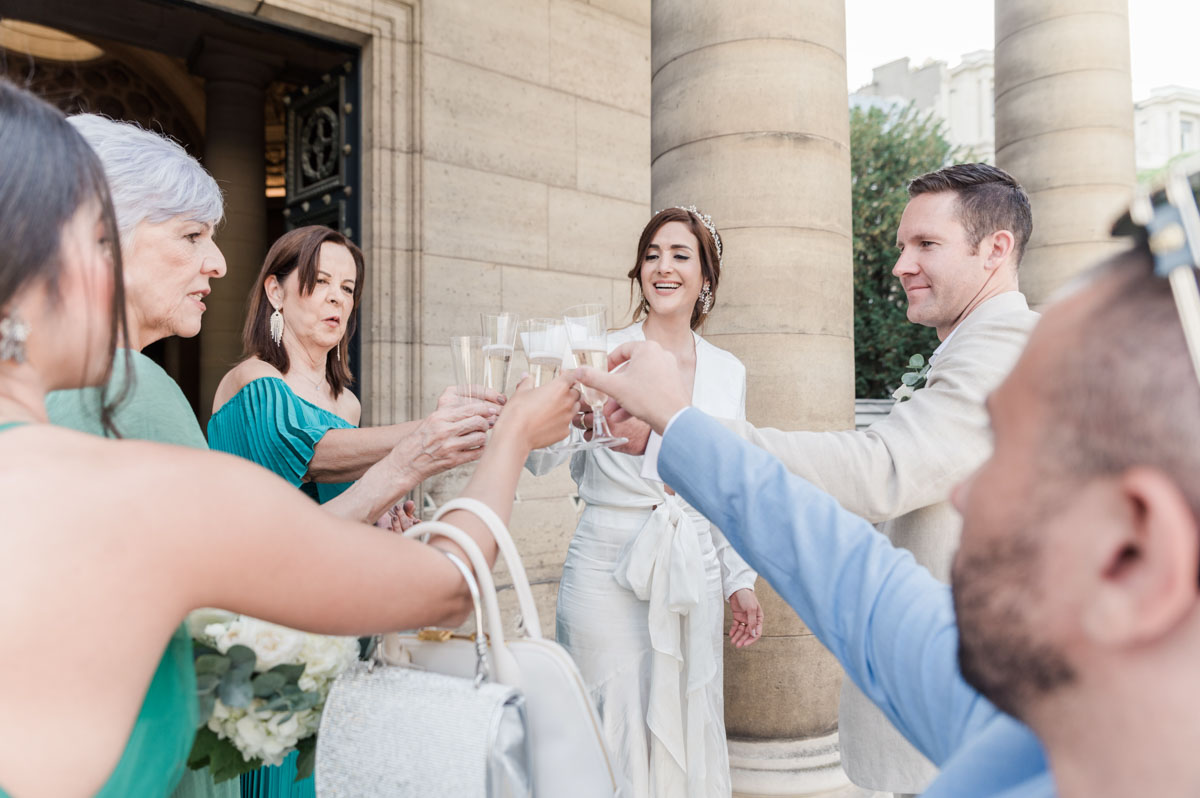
column 640, row 602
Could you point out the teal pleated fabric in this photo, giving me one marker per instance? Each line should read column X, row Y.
column 267, row 423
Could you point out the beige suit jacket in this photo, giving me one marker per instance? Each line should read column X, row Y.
column 898, row 473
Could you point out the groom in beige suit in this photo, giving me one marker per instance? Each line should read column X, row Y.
column 961, row 239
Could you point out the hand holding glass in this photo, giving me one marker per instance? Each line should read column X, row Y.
column 587, row 333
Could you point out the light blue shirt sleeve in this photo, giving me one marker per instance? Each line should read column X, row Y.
column 885, row 618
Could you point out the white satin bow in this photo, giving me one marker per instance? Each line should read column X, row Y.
column 663, row 565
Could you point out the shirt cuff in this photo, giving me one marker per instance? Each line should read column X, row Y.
column 653, row 446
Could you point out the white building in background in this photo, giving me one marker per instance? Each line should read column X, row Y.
column 960, row 95
column 1166, row 125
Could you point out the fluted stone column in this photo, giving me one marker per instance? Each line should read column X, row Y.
column 1064, row 128
column 235, row 80
column 749, row 122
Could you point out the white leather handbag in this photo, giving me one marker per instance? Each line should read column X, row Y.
column 570, row 759
column 401, row 731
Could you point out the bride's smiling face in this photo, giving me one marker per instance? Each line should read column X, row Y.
column 671, row 277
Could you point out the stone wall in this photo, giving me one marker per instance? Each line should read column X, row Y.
column 506, row 167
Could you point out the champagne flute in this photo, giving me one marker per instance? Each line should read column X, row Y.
column 470, row 364
column 587, row 333
column 545, row 345
column 500, row 330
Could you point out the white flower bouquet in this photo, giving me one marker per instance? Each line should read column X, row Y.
column 261, row 687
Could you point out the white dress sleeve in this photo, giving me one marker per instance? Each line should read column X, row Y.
column 735, row 573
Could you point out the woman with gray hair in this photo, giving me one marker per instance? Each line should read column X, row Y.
column 167, row 209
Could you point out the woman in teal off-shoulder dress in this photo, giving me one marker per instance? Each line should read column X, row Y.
column 106, row 545
column 287, row 407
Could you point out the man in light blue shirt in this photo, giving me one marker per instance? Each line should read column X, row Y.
column 1065, row 659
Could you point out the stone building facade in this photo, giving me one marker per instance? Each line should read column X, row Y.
column 504, row 154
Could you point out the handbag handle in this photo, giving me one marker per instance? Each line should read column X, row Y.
column 505, row 664
column 482, row 669
column 512, row 558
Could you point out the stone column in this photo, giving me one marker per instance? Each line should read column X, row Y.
column 235, row 80
column 749, row 122
column 1064, row 128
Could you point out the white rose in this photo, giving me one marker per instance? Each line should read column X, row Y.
column 272, row 644
column 251, row 735
column 903, row 393
column 199, row 621
column 325, row 658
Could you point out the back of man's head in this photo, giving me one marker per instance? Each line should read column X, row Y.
column 989, row 199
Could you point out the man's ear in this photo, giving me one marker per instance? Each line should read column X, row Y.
column 1146, row 582
column 1000, row 246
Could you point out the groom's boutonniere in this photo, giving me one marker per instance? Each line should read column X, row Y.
column 912, row 379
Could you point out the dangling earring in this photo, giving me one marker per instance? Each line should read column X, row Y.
column 705, row 299
column 13, row 334
column 277, row 326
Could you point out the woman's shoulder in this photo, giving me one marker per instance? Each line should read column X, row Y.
column 348, row 407
column 239, row 377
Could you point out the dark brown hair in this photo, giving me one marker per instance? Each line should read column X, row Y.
column 38, row 197
column 710, row 262
column 989, row 199
column 300, row 249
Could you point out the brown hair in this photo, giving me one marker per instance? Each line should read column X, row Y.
column 300, row 249
column 710, row 262
column 989, row 199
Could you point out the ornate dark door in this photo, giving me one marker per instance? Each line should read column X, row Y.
column 324, row 161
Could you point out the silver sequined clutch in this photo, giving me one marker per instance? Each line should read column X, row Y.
column 399, row 731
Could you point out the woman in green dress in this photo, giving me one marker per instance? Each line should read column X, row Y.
column 107, row 545
column 167, row 207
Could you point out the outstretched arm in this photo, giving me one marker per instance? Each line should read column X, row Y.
column 886, row 619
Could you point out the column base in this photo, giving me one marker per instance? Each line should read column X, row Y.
column 810, row 768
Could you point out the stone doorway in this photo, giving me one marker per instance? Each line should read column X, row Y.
column 218, row 82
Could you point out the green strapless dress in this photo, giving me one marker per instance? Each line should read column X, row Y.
column 268, row 423
column 155, row 409
column 156, row 753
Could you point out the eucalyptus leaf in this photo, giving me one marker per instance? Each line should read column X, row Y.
column 910, row 378
column 290, row 673
column 236, row 693
column 208, row 703
column 240, row 654
column 202, row 650
column 212, row 663
column 916, row 361
column 207, row 682
column 266, row 684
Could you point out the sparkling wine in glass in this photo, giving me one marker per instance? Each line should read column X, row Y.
column 545, row 343
column 587, row 333
column 500, row 332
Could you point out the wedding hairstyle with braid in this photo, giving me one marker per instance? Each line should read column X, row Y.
column 710, row 259
column 989, row 199
column 47, row 173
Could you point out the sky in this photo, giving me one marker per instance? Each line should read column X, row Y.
column 1162, row 34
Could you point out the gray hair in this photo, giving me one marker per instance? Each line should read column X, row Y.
column 151, row 177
